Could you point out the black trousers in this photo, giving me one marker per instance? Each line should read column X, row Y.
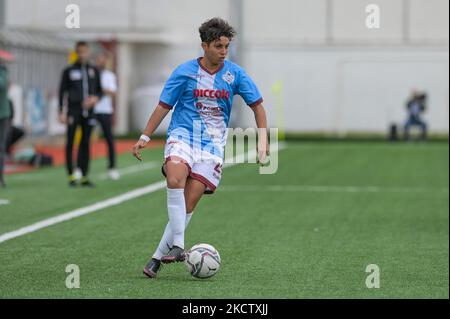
column 106, row 124
column 15, row 134
column 415, row 121
column 87, row 123
column 4, row 128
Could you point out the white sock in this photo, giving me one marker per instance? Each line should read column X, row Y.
column 164, row 244
column 167, row 239
column 176, row 207
column 188, row 219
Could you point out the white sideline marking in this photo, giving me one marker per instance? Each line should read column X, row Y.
column 83, row 211
column 327, row 189
column 4, row 201
column 104, row 204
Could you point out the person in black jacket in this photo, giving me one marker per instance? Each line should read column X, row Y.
column 80, row 89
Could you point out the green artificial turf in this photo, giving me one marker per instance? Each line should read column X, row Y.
column 308, row 231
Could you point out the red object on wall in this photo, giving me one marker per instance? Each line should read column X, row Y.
column 6, row 56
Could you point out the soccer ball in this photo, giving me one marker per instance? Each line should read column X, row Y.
column 202, row 261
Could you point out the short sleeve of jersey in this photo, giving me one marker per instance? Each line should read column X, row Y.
column 173, row 89
column 248, row 91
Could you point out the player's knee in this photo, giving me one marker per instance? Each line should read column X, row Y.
column 175, row 182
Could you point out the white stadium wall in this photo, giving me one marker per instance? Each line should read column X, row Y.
column 336, row 75
column 339, row 76
column 342, row 90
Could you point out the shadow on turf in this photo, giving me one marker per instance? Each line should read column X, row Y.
column 175, row 278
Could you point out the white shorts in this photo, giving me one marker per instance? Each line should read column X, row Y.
column 202, row 165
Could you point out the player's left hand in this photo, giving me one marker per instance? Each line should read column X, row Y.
column 139, row 145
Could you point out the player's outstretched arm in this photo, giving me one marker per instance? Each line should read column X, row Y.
column 261, row 123
column 155, row 119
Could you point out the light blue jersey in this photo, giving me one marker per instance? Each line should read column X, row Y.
column 202, row 102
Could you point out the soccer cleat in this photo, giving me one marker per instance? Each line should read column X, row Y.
column 72, row 181
column 85, row 182
column 176, row 254
column 152, row 268
column 113, row 174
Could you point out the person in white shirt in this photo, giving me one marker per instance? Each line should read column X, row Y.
column 104, row 110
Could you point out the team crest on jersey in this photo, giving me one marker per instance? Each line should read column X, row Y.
column 228, row 77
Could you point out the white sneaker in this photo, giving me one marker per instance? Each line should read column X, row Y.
column 77, row 174
column 113, row 174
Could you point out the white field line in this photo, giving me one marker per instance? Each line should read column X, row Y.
column 116, row 200
column 4, row 201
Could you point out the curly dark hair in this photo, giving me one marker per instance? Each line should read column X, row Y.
column 215, row 28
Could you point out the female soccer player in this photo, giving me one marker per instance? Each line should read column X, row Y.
column 200, row 91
